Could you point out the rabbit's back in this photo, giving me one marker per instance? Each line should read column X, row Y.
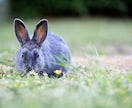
column 54, row 48
column 56, row 44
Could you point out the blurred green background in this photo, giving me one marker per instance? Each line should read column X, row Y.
column 102, row 25
column 93, row 29
column 42, row 8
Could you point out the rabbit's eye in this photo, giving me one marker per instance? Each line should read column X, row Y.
column 23, row 55
column 36, row 55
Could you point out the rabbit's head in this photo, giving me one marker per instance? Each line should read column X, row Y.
column 30, row 56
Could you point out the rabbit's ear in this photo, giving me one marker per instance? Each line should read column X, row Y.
column 21, row 31
column 40, row 32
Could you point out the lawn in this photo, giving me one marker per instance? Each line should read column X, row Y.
column 101, row 75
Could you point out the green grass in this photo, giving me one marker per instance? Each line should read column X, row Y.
column 87, row 85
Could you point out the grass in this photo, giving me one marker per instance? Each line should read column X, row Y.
column 87, row 85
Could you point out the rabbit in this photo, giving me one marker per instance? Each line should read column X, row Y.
column 44, row 52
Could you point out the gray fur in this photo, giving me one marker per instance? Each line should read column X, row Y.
column 43, row 56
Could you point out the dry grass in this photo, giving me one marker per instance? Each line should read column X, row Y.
column 119, row 61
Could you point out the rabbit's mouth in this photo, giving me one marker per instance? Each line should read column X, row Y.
column 29, row 69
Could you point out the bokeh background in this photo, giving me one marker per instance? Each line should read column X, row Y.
column 99, row 34
column 86, row 25
column 59, row 8
column 78, row 8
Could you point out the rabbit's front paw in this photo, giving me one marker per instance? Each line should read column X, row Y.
column 41, row 73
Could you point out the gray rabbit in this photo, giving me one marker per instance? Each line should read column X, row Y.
column 45, row 52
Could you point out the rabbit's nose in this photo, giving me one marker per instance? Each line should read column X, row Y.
column 29, row 68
